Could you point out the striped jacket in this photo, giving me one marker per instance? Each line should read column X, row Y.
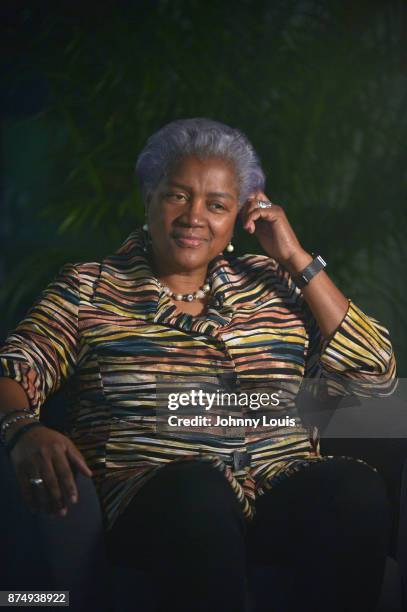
column 109, row 329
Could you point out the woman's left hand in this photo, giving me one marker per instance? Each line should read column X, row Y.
column 273, row 230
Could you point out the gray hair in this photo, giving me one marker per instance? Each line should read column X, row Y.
column 203, row 138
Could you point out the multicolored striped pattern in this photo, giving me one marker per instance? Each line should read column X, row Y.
column 110, row 330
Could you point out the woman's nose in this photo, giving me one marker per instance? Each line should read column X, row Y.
column 194, row 212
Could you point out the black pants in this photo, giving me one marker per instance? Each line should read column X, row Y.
column 324, row 530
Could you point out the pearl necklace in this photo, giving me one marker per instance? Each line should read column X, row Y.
column 186, row 297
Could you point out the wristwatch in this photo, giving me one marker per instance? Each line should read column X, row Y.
column 303, row 278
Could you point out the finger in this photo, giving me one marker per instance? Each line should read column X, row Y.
column 42, row 499
column 66, row 478
column 253, row 206
column 253, row 199
column 51, row 493
column 265, row 214
column 78, row 460
column 249, row 203
column 26, row 490
column 38, row 492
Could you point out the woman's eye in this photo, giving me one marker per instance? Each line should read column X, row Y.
column 176, row 196
column 217, row 205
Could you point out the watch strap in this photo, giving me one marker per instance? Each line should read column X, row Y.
column 303, row 278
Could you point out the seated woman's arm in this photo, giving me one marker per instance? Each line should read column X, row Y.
column 42, row 351
column 345, row 345
column 36, row 358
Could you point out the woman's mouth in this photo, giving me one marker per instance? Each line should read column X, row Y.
column 189, row 242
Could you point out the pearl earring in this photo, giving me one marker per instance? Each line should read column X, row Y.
column 147, row 239
column 230, row 248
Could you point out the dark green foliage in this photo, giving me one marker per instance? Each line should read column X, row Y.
column 319, row 88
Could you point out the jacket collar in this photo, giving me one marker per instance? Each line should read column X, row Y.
column 127, row 286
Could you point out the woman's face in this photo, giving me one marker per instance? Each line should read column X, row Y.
column 192, row 213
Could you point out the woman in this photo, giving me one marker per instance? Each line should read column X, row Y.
column 198, row 509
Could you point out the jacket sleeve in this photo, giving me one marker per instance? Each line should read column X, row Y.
column 41, row 352
column 357, row 358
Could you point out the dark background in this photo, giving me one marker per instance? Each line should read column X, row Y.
column 320, row 89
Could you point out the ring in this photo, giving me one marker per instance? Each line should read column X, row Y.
column 36, row 481
column 264, row 204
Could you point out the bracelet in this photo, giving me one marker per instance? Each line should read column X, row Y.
column 24, row 412
column 11, row 444
column 6, row 424
column 6, row 415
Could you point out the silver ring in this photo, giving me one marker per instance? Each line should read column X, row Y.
column 264, row 204
column 36, row 481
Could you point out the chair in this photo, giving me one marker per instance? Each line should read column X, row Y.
column 40, row 552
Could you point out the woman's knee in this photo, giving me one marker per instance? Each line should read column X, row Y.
column 344, row 492
column 354, row 485
column 197, row 514
column 352, row 499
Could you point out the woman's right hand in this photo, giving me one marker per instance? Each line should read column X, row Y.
column 44, row 453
